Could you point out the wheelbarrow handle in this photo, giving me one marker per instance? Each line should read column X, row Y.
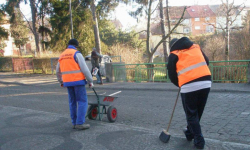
column 95, row 93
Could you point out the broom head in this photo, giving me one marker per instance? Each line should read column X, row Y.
column 164, row 136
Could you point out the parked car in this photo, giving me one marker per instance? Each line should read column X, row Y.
column 105, row 59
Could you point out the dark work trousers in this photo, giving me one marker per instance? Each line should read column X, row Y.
column 98, row 73
column 194, row 104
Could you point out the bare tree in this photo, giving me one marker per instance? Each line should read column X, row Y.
column 151, row 51
column 230, row 12
column 95, row 25
column 163, row 31
column 34, row 17
column 12, row 4
column 214, row 47
column 169, row 26
column 170, row 32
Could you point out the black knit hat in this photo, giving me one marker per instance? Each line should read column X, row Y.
column 73, row 42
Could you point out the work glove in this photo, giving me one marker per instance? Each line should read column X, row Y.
column 91, row 85
column 61, row 85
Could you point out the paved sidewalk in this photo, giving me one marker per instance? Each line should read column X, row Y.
column 24, row 79
column 216, row 87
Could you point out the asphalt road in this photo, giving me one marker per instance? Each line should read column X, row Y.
column 226, row 117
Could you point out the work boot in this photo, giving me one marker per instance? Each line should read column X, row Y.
column 101, row 81
column 188, row 134
column 74, row 126
column 199, row 142
column 82, row 126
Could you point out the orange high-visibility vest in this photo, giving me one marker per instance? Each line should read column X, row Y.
column 71, row 72
column 191, row 64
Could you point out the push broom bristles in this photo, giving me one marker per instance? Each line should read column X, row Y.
column 165, row 136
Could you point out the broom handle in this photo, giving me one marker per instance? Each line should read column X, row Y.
column 173, row 109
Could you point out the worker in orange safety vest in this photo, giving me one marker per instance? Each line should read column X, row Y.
column 73, row 73
column 188, row 70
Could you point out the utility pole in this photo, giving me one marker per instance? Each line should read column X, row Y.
column 228, row 32
column 71, row 22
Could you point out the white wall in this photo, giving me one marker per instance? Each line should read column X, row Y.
column 8, row 50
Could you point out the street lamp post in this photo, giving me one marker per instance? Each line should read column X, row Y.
column 71, row 22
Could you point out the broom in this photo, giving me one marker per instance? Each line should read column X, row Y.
column 165, row 136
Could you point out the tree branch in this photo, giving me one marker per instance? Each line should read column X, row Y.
column 165, row 37
column 26, row 20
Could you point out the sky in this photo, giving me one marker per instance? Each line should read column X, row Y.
column 121, row 12
column 122, row 9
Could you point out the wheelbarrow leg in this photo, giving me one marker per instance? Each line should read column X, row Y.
column 98, row 105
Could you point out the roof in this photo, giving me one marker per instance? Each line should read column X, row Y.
column 175, row 12
column 200, row 11
column 220, row 10
column 117, row 24
column 156, row 29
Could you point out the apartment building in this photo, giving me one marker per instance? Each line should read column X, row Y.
column 197, row 20
column 203, row 19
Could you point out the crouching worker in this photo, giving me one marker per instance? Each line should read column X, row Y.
column 188, row 69
column 96, row 58
column 72, row 73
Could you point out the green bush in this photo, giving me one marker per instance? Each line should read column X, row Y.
column 42, row 65
column 6, row 64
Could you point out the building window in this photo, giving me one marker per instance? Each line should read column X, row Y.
column 197, row 27
column 207, row 18
column 196, row 19
column 186, row 30
column 186, row 21
column 172, row 21
column 209, row 28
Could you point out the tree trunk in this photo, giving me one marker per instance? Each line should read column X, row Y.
column 163, row 31
column 227, row 35
column 150, row 70
column 34, row 16
column 169, row 28
column 96, row 29
column 150, row 60
column 20, row 50
column 43, row 46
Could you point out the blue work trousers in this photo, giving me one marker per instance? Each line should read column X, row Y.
column 78, row 104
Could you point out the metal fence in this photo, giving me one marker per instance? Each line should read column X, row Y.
column 235, row 71
column 154, row 72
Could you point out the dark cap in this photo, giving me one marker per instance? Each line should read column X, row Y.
column 73, row 42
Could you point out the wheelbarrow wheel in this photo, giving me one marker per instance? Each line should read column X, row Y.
column 93, row 112
column 112, row 114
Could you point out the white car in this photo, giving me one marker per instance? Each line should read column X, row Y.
column 105, row 59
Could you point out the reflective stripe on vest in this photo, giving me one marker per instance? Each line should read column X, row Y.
column 191, row 64
column 191, row 67
column 71, row 72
